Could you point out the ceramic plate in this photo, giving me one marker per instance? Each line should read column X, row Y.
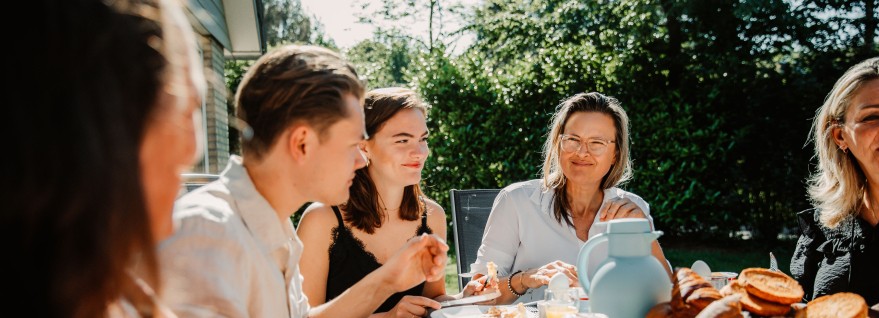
column 473, row 311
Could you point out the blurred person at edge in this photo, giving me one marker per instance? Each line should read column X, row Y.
column 536, row 228
column 236, row 252
column 96, row 158
column 838, row 248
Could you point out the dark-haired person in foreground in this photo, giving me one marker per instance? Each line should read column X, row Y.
column 95, row 155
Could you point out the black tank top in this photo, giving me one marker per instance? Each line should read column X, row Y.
column 350, row 262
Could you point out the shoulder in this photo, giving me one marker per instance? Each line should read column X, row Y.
column 633, row 197
column 528, row 186
column 206, row 213
column 435, row 212
column 521, row 190
column 317, row 216
column 209, row 227
column 434, row 209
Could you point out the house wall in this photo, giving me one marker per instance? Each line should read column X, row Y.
column 216, row 116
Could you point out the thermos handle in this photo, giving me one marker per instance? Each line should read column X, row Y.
column 583, row 260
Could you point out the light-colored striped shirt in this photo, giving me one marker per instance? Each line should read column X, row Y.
column 230, row 256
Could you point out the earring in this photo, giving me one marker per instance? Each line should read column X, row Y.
column 367, row 161
column 844, row 150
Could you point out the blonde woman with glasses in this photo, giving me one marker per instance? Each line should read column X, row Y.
column 838, row 249
column 536, row 227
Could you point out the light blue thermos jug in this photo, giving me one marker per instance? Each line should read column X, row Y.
column 630, row 281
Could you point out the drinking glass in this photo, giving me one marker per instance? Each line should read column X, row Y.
column 558, row 304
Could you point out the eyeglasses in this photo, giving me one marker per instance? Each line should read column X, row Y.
column 595, row 146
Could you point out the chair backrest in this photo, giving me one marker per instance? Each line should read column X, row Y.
column 192, row 181
column 470, row 210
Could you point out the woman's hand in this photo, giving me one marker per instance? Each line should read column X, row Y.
column 412, row 306
column 479, row 287
column 620, row 208
column 534, row 278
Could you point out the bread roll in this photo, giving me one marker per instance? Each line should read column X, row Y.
column 842, row 305
column 727, row 307
column 661, row 310
column 756, row 305
column 772, row 286
column 691, row 293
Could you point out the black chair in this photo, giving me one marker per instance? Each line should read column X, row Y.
column 470, row 210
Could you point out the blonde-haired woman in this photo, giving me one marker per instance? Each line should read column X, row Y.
column 838, row 249
column 536, row 227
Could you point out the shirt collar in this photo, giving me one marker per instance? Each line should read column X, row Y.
column 544, row 197
column 258, row 215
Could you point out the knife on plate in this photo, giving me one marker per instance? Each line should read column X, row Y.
column 471, row 300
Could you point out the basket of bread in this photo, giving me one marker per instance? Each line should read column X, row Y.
column 757, row 292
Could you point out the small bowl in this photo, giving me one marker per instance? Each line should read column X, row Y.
column 720, row 279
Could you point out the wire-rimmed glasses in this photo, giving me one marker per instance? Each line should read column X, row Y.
column 595, row 146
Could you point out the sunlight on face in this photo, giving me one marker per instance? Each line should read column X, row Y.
column 399, row 149
column 338, row 155
column 583, row 167
column 861, row 127
column 173, row 136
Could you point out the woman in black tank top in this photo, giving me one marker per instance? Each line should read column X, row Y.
column 386, row 208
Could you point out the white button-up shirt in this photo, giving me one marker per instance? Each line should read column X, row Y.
column 522, row 233
column 230, row 256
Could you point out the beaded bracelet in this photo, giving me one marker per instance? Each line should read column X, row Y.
column 510, row 284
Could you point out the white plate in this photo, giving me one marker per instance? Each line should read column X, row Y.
column 472, row 299
column 474, row 311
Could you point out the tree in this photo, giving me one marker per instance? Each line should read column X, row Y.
column 286, row 22
column 720, row 95
column 382, row 62
column 394, row 19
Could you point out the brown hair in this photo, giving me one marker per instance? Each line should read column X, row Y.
column 76, row 205
column 364, row 209
column 620, row 171
column 290, row 84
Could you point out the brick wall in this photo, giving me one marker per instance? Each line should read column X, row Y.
column 214, row 113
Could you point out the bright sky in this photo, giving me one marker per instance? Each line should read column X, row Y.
column 341, row 21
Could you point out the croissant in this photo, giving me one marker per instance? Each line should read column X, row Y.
column 691, row 293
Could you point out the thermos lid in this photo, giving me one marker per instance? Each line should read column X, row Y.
column 628, row 226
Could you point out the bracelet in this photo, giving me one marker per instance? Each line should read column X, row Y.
column 510, row 285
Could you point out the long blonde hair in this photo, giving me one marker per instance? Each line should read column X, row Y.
column 620, row 171
column 837, row 188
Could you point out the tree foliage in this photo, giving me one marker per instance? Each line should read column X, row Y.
column 720, row 96
column 720, row 93
column 285, row 22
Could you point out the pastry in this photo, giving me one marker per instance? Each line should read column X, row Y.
column 771, row 285
column 842, row 305
column 727, row 307
column 660, row 310
column 756, row 305
column 691, row 293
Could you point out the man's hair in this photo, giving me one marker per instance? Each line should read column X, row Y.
column 293, row 84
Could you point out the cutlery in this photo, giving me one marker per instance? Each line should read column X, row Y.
column 471, row 300
column 773, row 264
